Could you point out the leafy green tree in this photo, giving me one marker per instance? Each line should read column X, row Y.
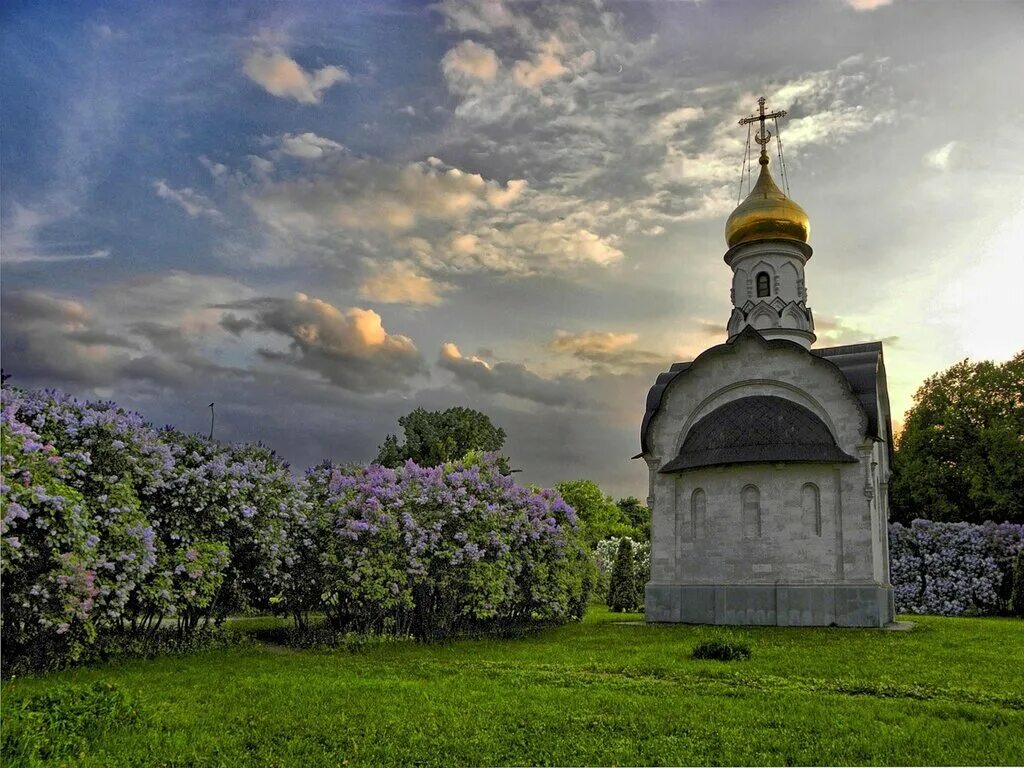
column 1017, row 596
column 960, row 456
column 622, row 592
column 438, row 437
column 637, row 515
column 599, row 515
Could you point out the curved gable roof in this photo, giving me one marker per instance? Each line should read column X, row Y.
column 760, row 428
column 858, row 363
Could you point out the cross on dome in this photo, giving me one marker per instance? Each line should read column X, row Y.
column 767, row 213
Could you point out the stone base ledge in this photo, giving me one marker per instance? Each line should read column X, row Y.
column 783, row 605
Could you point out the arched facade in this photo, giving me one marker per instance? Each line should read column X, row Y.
column 779, row 525
column 769, row 460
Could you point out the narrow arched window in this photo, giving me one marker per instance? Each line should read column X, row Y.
column 764, row 284
column 751, row 500
column 698, row 508
column 810, row 501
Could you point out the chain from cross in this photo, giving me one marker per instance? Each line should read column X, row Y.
column 764, row 135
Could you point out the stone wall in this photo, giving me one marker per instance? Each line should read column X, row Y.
column 810, row 538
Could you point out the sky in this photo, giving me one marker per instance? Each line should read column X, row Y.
column 320, row 216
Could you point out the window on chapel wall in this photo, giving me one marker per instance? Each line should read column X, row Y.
column 810, row 498
column 764, row 285
column 751, row 501
column 698, row 509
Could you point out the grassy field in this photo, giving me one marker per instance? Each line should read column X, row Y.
column 603, row 692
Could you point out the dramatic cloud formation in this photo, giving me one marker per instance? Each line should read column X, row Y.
column 147, row 330
column 349, row 348
column 280, row 75
column 513, row 379
column 497, row 170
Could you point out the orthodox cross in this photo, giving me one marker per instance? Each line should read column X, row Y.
column 764, row 136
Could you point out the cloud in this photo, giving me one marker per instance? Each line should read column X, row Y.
column 308, row 146
column 192, row 202
column 24, row 241
column 836, row 331
column 149, row 331
column 546, row 64
column 155, row 332
column 669, row 124
column 349, row 348
column 469, row 60
column 939, row 158
column 400, row 283
column 281, row 76
column 529, row 247
column 592, row 343
column 513, row 379
column 484, row 16
column 608, row 351
column 867, row 5
column 367, row 194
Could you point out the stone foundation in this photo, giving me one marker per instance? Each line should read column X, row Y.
column 784, row 605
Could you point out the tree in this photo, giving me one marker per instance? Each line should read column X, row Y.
column 622, row 592
column 637, row 515
column 600, row 517
column 1017, row 596
column 437, row 437
column 960, row 456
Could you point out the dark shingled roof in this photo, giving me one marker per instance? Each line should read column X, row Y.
column 859, row 364
column 761, row 428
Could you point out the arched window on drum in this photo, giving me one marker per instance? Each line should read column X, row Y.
column 764, row 285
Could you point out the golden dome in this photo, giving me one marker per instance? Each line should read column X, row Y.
column 766, row 214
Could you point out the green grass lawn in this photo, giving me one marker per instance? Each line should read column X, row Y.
column 949, row 692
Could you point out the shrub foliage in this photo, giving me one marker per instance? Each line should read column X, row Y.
column 721, row 650
column 953, row 568
column 605, row 555
column 622, row 591
column 436, row 551
column 114, row 533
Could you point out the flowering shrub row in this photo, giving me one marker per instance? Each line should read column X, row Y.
column 438, row 551
column 953, row 568
column 111, row 528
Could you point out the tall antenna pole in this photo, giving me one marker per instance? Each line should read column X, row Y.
column 211, row 422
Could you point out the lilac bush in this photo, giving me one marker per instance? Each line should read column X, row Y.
column 221, row 518
column 99, row 455
column 48, row 553
column 953, row 568
column 112, row 527
column 435, row 551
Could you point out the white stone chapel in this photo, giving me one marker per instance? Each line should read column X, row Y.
column 769, row 460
